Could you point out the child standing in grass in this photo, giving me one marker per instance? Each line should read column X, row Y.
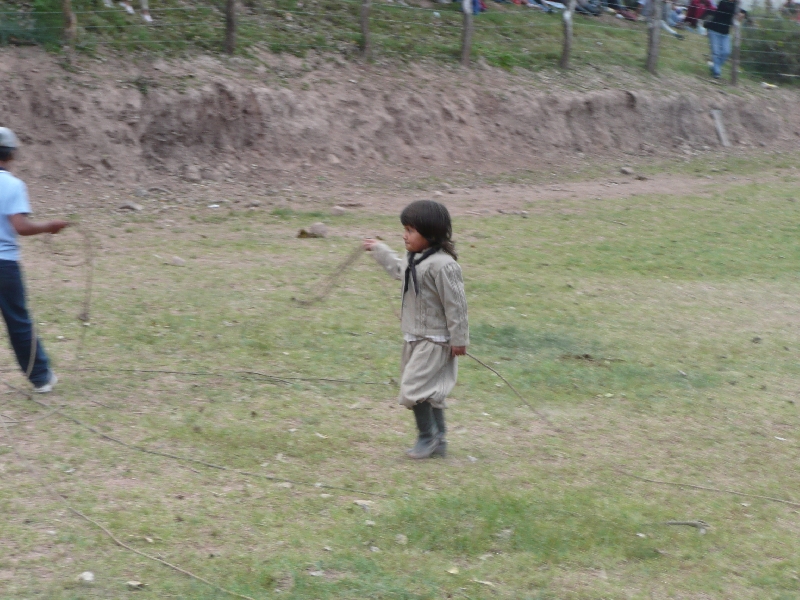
column 433, row 319
column 14, row 210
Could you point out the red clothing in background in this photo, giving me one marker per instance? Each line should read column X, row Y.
column 696, row 11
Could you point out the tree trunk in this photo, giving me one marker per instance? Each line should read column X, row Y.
column 737, row 46
column 366, row 46
column 567, row 49
column 230, row 26
column 70, row 22
column 654, row 34
column 466, row 33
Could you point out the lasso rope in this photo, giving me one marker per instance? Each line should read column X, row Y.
column 97, row 432
column 69, row 260
column 336, row 276
column 331, row 281
column 86, row 261
column 116, row 540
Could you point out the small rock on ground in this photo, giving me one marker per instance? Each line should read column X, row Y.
column 317, row 230
column 130, row 206
column 626, row 171
column 192, row 174
column 338, row 211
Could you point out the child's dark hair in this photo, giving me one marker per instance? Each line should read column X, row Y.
column 432, row 221
column 6, row 153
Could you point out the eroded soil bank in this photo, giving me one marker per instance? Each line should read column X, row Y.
column 266, row 119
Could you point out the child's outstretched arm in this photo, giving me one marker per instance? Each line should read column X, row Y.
column 387, row 257
column 24, row 226
column 450, row 285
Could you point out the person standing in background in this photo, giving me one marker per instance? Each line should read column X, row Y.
column 718, row 25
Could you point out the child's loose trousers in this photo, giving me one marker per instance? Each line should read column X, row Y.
column 427, row 372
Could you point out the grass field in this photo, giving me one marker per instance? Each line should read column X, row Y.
column 658, row 334
column 506, row 36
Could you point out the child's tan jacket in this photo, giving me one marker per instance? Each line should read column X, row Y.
column 440, row 308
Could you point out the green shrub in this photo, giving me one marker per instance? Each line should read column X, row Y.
column 772, row 49
column 42, row 24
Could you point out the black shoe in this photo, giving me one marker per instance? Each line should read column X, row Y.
column 428, row 440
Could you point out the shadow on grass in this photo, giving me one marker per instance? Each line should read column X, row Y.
column 559, row 362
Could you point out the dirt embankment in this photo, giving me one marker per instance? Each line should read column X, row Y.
column 206, row 119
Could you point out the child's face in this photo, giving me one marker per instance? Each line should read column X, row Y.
column 414, row 241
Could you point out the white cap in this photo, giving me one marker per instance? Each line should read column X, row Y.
column 8, row 139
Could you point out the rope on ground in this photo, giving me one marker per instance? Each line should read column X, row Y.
column 280, row 379
column 75, row 511
column 709, row 489
column 12, row 421
column 513, row 389
column 196, row 461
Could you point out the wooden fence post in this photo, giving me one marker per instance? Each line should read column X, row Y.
column 466, row 34
column 567, row 49
column 366, row 46
column 230, row 26
column 737, row 46
column 654, row 34
column 70, row 22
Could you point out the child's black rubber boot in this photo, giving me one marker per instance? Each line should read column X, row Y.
column 438, row 416
column 428, row 440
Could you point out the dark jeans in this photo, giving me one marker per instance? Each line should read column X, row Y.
column 20, row 328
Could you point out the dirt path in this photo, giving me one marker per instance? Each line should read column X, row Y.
column 515, row 198
column 177, row 200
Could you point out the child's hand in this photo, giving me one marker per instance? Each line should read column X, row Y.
column 56, row 226
column 458, row 350
column 369, row 244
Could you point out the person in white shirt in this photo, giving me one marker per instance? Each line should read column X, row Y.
column 14, row 211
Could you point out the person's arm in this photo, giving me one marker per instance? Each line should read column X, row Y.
column 24, row 226
column 450, row 286
column 386, row 257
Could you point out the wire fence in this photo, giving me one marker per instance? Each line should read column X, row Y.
column 508, row 35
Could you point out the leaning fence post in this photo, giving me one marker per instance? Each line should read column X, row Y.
column 567, row 49
column 737, row 46
column 366, row 47
column 230, row 26
column 654, row 33
column 466, row 34
column 70, row 22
